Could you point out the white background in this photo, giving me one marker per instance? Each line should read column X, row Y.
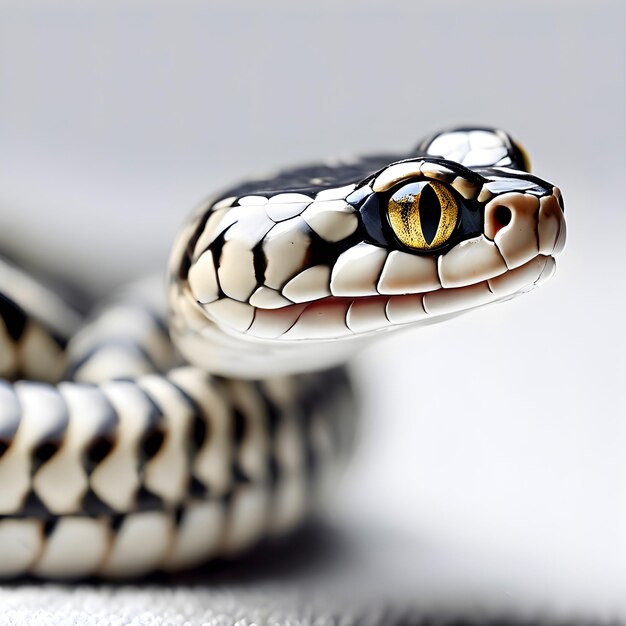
column 497, row 441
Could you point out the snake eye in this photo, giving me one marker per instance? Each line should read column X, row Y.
column 423, row 215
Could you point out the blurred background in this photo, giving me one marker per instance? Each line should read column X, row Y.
column 506, row 490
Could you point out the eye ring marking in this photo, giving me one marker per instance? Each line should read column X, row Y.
column 417, row 221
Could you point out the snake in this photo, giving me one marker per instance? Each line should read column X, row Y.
column 186, row 420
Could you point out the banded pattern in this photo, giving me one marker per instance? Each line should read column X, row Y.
column 205, row 466
column 147, row 465
column 35, row 326
column 126, row 337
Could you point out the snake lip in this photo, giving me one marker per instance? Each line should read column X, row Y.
column 336, row 317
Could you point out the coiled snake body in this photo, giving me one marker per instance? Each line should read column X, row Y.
column 145, row 456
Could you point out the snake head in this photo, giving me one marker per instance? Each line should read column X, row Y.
column 349, row 250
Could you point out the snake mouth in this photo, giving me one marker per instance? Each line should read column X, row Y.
column 336, row 317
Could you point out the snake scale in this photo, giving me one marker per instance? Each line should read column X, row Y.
column 161, row 432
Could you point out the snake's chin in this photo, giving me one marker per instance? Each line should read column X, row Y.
column 334, row 317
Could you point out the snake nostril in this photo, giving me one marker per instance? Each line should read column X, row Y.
column 501, row 217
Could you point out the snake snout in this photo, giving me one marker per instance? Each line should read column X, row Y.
column 523, row 225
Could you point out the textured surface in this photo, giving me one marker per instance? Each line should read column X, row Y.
column 321, row 577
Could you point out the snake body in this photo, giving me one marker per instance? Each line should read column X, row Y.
column 122, row 452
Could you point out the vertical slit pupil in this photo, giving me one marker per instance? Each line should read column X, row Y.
column 430, row 213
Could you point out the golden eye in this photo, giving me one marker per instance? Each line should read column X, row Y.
column 423, row 215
